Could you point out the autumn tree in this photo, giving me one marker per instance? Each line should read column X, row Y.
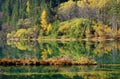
column 28, row 7
column 45, row 26
column 67, row 10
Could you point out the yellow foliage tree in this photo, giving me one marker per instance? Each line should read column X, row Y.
column 19, row 32
column 93, row 3
column 67, row 10
column 97, row 3
column 46, row 27
column 28, row 6
column 102, row 30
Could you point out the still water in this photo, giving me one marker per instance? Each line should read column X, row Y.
column 106, row 54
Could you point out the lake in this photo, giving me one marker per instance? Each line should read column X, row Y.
column 105, row 53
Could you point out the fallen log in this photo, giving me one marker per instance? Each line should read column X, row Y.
column 50, row 61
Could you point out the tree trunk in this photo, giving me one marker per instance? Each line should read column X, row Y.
column 114, row 24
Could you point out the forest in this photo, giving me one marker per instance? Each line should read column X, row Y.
column 60, row 39
column 59, row 19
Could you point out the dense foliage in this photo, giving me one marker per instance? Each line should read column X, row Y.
column 29, row 19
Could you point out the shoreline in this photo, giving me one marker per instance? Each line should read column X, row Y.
column 50, row 61
column 65, row 39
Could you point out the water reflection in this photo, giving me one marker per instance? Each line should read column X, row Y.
column 107, row 55
column 106, row 52
column 73, row 50
column 58, row 72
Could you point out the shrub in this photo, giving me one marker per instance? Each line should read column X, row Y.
column 102, row 30
column 74, row 28
column 20, row 33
